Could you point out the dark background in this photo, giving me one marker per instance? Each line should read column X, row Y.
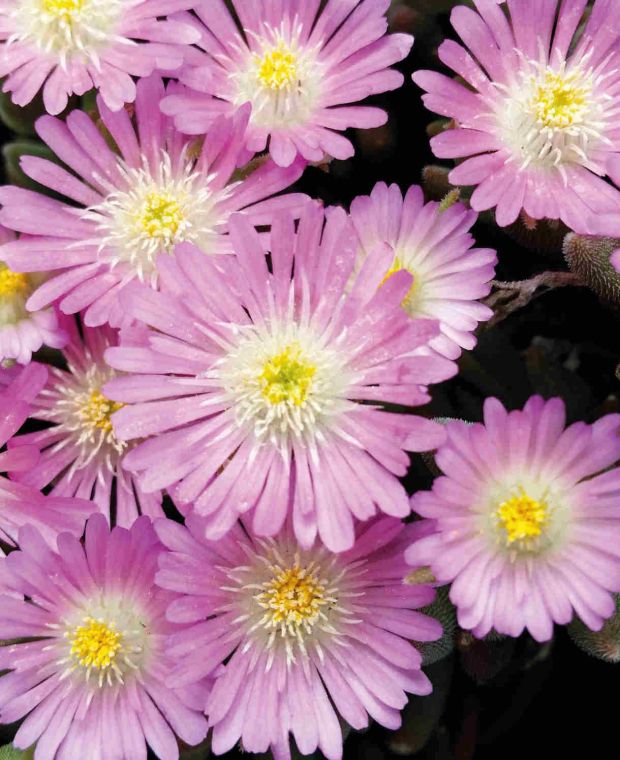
column 501, row 699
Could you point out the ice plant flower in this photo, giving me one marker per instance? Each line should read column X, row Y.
column 123, row 211
column 434, row 246
column 22, row 504
column 91, row 679
column 67, row 47
column 526, row 519
column 298, row 67
column 23, row 332
column 269, row 387
column 80, row 454
column 538, row 116
column 305, row 634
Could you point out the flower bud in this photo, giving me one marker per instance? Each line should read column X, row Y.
column 588, row 257
column 604, row 644
column 442, row 610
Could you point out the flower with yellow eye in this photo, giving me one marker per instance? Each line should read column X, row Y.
column 525, row 520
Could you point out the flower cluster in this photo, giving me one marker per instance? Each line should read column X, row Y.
column 206, row 508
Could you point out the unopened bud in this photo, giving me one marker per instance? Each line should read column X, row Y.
column 588, row 256
column 440, row 125
column 442, row 610
column 604, row 644
column 435, row 182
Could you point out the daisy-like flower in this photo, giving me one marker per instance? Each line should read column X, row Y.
column 436, row 248
column 23, row 332
column 305, row 634
column 80, row 454
column 125, row 210
column 538, row 115
column 297, row 67
column 67, row 47
column 265, row 393
column 91, row 680
column 22, row 504
column 526, row 519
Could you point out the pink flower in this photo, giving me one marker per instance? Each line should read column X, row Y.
column 91, row 680
column 609, row 224
column 526, row 519
column 304, row 634
column 67, row 47
column 263, row 391
column 436, row 248
column 80, row 453
column 23, row 332
column 22, row 504
column 538, row 115
column 297, row 67
column 128, row 209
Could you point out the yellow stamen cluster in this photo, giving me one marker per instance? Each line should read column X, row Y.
column 97, row 410
column 13, row 283
column 293, row 599
column 277, row 69
column 161, row 216
column 95, row 644
column 522, row 518
column 287, row 377
column 560, row 100
column 62, row 9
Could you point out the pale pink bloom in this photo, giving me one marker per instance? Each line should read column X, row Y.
column 262, row 390
column 90, row 681
column 126, row 208
column 538, row 114
column 435, row 246
column 295, row 637
column 298, row 66
column 23, row 332
column 22, row 504
column 66, row 47
column 525, row 519
column 80, row 454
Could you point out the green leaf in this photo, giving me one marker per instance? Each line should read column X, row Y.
column 18, row 119
column 9, row 752
column 12, row 154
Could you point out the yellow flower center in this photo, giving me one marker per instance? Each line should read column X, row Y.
column 560, row 100
column 287, row 377
column 95, row 644
column 522, row 517
column 277, row 69
column 96, row 412
column 62, row 9
column 161, row 216
column 13, row 283
column 293, row 598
